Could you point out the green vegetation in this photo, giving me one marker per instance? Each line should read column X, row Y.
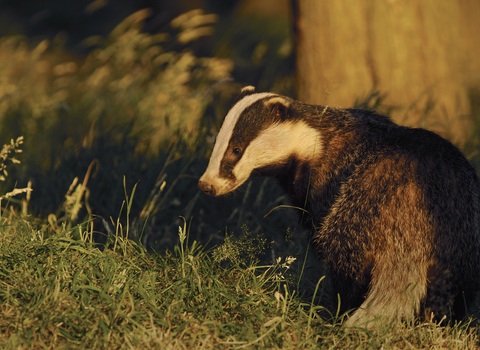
column 101, row 223
column 61, row 292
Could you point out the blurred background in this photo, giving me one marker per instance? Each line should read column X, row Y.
column 116, row 95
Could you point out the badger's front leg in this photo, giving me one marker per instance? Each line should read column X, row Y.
column 397, row 291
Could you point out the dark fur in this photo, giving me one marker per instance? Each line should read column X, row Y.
column 387, row 203
column 395, row 189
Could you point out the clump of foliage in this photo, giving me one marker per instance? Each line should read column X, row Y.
column 121, row 107
column 5, row 157
column 134, row 92
column 130, row 75
column 241, row 251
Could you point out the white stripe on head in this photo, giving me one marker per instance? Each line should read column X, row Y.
column 276, row 145
column 226, row 131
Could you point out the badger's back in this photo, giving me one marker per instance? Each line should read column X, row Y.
column 399, row 205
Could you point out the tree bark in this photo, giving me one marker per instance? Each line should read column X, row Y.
column 420, row 56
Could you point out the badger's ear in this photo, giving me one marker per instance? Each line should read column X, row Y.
column 280, row 107
column 247, row 90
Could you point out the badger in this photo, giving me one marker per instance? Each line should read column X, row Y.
column 394, row 210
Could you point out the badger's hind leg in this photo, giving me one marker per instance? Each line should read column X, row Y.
column 397, row 292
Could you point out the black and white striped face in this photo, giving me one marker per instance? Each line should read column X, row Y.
column 258, row 132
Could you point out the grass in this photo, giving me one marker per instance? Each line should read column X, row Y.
column 63, row 291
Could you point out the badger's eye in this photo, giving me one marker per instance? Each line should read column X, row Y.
column 236, row 150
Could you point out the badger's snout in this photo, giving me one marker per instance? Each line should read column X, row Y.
column 207, row 188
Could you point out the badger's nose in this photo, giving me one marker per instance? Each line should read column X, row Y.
column 206, row 187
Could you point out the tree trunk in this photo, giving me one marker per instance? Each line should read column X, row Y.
column 420, row 56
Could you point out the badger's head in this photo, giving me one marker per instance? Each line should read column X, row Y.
column 261, row 130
